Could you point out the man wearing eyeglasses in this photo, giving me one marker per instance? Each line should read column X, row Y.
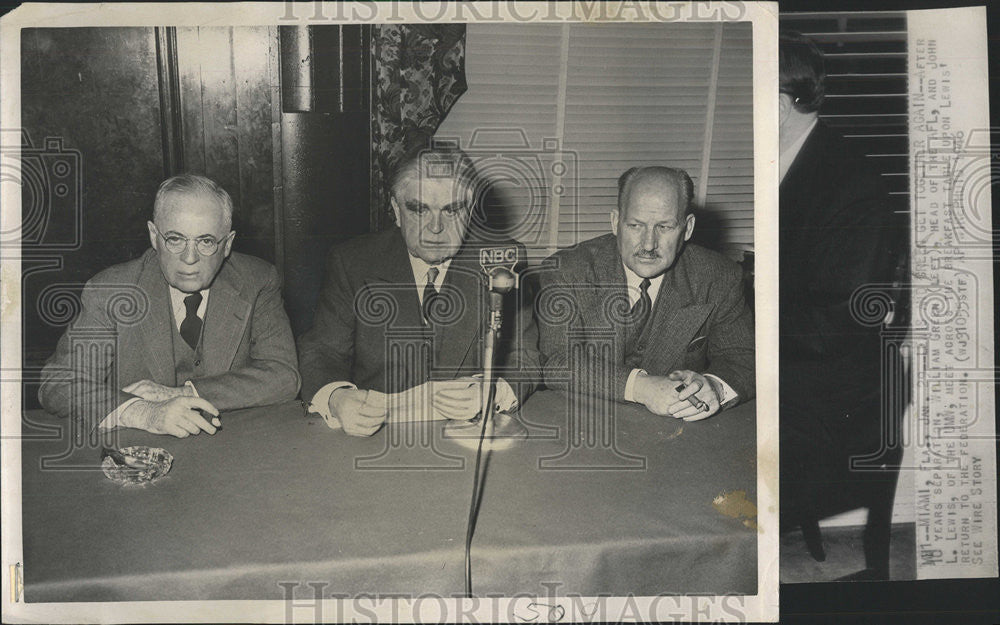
column 209, row 332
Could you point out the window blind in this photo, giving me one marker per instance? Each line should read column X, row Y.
column 866, row 86
column 611, row 96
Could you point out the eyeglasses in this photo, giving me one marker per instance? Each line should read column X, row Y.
column 176, row 244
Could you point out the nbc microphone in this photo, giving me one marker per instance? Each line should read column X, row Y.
column 498, row 264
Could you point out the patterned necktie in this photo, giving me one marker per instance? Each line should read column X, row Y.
column 191, row 326
column 429, row 293
column 642, row 306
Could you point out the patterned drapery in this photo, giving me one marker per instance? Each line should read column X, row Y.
column 419, row 73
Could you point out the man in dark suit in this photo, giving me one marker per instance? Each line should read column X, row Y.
column 681, row 334
column 407, row 305
column 196, row 328
column 836, row 234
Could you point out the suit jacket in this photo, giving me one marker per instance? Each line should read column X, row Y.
column 368, row 326
column 247, row 345
column 699, row 321
column 836, row 233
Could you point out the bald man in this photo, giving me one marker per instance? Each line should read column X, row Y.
column 195, row 327
column 677, row 333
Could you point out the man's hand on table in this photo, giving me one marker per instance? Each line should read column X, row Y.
column 357, row 417
column 459, row 399
column 706, row 392
column 177, row 416
column 660, row 395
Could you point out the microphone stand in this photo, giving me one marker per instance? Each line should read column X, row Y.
column 498, row 430
column 488, row 428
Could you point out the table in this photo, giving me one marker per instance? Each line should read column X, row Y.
column 276, row 500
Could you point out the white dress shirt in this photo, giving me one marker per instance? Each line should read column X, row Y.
column 506, row 400
column 632, row 286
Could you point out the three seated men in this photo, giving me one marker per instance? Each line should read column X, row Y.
column 406, row 306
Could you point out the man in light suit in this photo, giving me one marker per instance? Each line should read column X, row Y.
column 407, row 305
column 197, row 328
column 681, row 332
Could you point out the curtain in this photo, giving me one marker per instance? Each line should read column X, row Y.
column 419, row 73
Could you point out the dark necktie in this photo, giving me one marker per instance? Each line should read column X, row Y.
column 429, row 293
column 191, row 326
column 642, row 306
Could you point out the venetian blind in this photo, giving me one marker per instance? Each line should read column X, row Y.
column 866, row 86
column 610, row 96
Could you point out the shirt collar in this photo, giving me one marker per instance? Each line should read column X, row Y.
column 633, row 282
column 420, row 268
column 177, row 303
column 787, row 157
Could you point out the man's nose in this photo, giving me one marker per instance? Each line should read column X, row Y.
column 649, row 241
column 435, row 224
column 190, row 254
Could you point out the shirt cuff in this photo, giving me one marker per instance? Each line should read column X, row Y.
column 505, row 398
column 113, row 419
column 190, row 385
column 320, row 403
column 630, row 384
column 728, row 394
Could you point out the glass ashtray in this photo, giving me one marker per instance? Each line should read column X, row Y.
column 142, row 465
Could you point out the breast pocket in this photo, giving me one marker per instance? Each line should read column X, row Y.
column 696, row 353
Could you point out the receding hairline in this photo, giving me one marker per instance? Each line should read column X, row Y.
column 676, row 178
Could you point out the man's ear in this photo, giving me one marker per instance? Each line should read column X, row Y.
column 395, row 210
column 614, row 221
column 229, row 243
column 689, row 228
column 153, row 239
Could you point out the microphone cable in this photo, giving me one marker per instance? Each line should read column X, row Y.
column 476, row 489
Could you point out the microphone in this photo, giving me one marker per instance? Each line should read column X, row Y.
column 498, row 264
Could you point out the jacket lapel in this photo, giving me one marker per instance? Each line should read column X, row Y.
column 393, row 278
column 675, row 318
column 226, row 318
column 155, row 327
column 612, row 290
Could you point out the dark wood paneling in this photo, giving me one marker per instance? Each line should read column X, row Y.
column 95, row 89
column 226, row 108
column 253, row 47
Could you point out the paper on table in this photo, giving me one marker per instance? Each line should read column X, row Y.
column 413, row 404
